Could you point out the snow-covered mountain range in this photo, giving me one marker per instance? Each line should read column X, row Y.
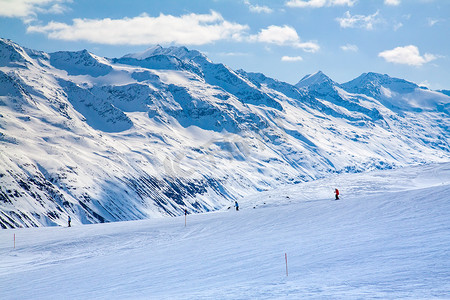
column 158, row 132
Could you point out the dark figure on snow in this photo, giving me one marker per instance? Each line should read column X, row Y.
column 336, row 191
column 237, row 205
column 69, row 220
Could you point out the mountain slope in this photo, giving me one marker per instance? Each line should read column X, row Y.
column 386, row 238
column 166, row 130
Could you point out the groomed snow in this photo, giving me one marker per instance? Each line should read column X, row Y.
column 387, row 238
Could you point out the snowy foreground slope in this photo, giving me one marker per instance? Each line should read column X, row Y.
column 154, row 133
column 387, row 238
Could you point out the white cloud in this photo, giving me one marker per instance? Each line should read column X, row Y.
column 279, row 35
column 432, row 22
column 26, row 8
column 319, row 3
column 408, row 55
column 350, row 48
column 258, row 8
column 56, row 9
column 392, row 2
column 359, row 21
column 284, row 36
column 291, row 58
column 190, row 29
column 234, row 54
column 398, row 26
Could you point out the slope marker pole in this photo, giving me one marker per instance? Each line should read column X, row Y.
column 14, row 241
column 285, row 257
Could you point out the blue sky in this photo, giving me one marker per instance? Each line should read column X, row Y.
column 285, row 40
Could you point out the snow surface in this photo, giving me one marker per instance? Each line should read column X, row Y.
column 387, row 238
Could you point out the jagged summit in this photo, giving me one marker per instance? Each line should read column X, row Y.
column 145, row 54
column 372, row 82
column 318, row 84
column 80, row 63
column 397, row 94
column 182, row 53
column 318, row 78
column 12, row 54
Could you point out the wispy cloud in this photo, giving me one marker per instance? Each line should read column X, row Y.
column 359, row 21
column 291, row 58
column 350, row 48
column 408, row 55
column 432, row 22
column 397, row 26
column 27, row 8
column 234, row 54
column 189, row 29
column 319, row 3
column 258, row 8
column 392, row 2
column 284, row 36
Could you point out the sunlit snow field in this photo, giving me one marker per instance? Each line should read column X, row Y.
column 387, row 238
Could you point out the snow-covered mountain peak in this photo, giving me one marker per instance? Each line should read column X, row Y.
column 318, row 78
column 318, row 83
column 398, row 94
column 80, row 63
column 147, row 53
column 6, row 44
column 182, row 53
column 370, row 83
column 12, row 54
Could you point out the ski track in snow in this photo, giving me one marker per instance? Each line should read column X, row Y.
column 388, row 237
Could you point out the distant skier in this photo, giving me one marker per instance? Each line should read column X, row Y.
column 69, row 220
column 336, row 191
column 236, row 205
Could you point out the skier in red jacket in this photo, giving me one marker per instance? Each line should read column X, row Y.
column 336, row 191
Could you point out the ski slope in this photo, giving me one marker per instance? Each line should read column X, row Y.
column 388, row 237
